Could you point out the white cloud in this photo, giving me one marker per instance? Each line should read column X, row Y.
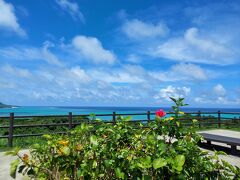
column 218, row 95
column 182, row 71
column 219, row 90
column 80, row 74
column 58, row 84
column 138, row 30
column 133, row 58
column 171, row 91
column 92, row 49
column 8, row 19
column 217, row 101
column 31, row 53
column 125, row 74
column 125, row 85
column 72, row 8
column 189, row 70
column 48, row 55
column 205, row 45
column 81, row 48
column 20, row 53
column 193, row 47
column 63, row 77
column 9, row 70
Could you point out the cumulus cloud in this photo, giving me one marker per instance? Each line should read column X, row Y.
column 125, row 85
column 182, row 71
column 63, row 84
column 137, row 29
column 82, row 48
column 193, row 47
column 190, row 70
column 125, row 74
column 212, row 48
column 219, row 90
column 171, row 91
column 72, row 8
column 92, row 49
column 8, row 19
column 217, row 95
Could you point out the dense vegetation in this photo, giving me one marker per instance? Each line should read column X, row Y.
column 165, row 149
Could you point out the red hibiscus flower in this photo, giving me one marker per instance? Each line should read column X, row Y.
column 160, row 113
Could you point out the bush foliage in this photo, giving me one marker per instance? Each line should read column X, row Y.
column 162, row 149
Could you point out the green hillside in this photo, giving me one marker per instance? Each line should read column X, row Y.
column 4, row 105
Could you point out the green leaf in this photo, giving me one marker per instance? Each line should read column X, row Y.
column 194, row 120
column 146, row 177
column 98, row 120
column 173, row 99
column 47, row 136
column 66, row 150
column 108, row 163
column 179, row 162
column 101, row 175
column 148, row 160
column 93, row 140
column 220, row 153
column 13, row 168
column 145, row 162
column 94, row 164
column 158, row 163
column 119, row 173
column 79, row 173
column 127, row 118
column 110, row 130
column 178, row 123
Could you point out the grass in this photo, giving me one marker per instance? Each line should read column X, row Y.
column 25, row 142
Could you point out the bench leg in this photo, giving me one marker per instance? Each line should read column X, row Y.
column 209, row 143
column 233, row 149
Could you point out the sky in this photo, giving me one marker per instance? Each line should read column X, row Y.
column 121, row 53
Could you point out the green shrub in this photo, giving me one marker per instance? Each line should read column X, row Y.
column 163, row 149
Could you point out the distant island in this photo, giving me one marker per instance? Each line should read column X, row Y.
column 5, row 106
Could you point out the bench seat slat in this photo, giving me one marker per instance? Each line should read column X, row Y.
column 222, row 139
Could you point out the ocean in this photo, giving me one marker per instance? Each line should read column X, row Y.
column 64, row 110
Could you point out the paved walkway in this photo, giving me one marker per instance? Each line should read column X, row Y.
column 5, row 166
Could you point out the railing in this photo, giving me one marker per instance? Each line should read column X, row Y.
column 201, row 116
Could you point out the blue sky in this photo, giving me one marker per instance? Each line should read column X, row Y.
column 126, row 53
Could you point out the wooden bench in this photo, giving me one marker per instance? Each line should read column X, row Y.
column 233, row 142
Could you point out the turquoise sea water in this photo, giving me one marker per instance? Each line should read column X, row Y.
column 57, row 110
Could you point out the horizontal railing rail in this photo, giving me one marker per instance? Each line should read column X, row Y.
column 202, row 117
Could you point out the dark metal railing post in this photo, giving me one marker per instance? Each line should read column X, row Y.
column 199, row 118
column 114, row 118
column 234, row 120
column 70, row 120
column 148, row 116
column 219, row 119
column 10, row 132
